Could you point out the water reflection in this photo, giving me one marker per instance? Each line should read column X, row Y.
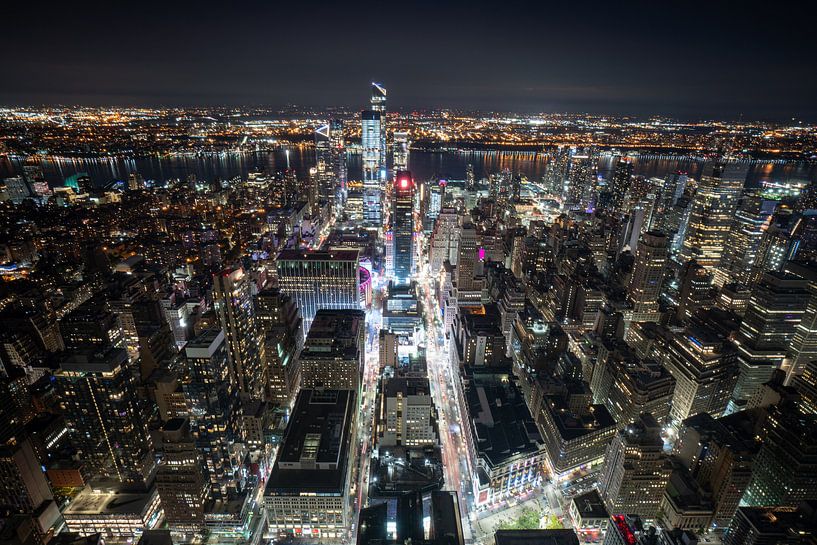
column 424, row 165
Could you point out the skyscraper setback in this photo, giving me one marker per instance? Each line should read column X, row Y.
column 713, row 208
column 648, row 275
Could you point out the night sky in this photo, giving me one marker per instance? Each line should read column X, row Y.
column 689, row 59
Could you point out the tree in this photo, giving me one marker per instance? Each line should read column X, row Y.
column 528, row 520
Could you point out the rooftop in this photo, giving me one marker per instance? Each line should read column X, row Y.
column 589, row 505
column 502, row 421
column 331, row 255
column 109, row 502
column 536, row 537
column 316, row 444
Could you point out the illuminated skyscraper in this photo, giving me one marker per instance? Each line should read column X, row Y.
column 469, row 287
column 370, row 122
column 636, row 469
column 444, row 240
column 785, row 470
column 776, row 307
column 739, row 262
column 99, row 400
column 23, row 488
column 712, row 213
column 330, row 160
column 337, row 143
column 213, row 407
column 232, row 299
column 401, row 145
column 179, row 480
column 803, row 347
column 648, row 276
column 581, row 179
column 704, row 367
column 470, row 179
column 695, row 290
column 378, row 105
column 620, row 184
column 403, row 227
column 319, row 280
column 324, row 167
column 333, row 352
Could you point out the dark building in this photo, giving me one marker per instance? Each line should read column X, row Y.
column 536, row 537
column 773, row 526
column 401, row 520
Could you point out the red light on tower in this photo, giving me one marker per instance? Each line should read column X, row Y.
column 404, row 183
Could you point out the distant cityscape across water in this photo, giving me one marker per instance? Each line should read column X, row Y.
column 424, row 165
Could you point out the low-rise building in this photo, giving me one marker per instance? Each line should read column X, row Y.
column 588, row 513
column 113, row 510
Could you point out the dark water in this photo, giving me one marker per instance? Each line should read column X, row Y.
column 423, row 164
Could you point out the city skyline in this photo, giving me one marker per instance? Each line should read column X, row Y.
column 385, row 326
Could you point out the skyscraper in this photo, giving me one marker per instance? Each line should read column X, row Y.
column 581, row 178
column 378, row 104
column 401, row 145
column 719, row 454
column 333, row 352
column 712, row 213
column 309, row 484
column 803, row 347
column 704, row 367
column 280, row 321
column 785, row 470
column 403, row 227
column 406, row 414
column 232, row 299
column 776, row 307
column 319, row 280
column 324, row 164
column 467, row 259
column 179, row 480
column 620, row 184
column 337, row 143
column 23, row 488
column 443, row 240
column 636, row 469
column 371, row 124
column 213, row 407
column 739, row 261
column 99, row 399
column 648, row 276
column 695, row 290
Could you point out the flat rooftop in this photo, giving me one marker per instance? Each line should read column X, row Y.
column 109, row 502
column 331, row 255
column 573, row 425
column 317, row 442
column 504, row 426
column 589, row 505
column 536, row 537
